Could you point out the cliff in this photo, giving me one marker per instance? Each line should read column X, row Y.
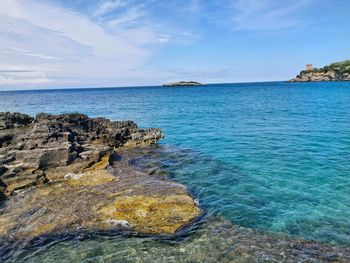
column 339, row 71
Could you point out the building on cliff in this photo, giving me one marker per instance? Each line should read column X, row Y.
column 309, row 67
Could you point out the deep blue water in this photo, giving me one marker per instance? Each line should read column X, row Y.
column 272, row 156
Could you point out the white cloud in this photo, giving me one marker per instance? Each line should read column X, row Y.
column 110, row 42
column 62, row 45
column 59, row 44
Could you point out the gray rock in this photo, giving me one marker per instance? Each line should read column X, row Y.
column 58, row 156
column 28, row 145
column 13, row 120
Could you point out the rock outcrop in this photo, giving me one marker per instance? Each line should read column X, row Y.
column 183, row 83
column 101, row 197
column 314, row 76
column 78, row 177
column 339, row 71
column 29, row 146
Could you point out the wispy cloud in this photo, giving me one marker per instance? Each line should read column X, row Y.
column 21, row 77
column 268, row 14
column 108, row 7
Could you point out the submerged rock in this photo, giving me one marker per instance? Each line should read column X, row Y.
column 83, row 179
column 152, row 214
column 101, row 197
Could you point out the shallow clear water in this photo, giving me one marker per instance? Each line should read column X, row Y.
column 271, row 156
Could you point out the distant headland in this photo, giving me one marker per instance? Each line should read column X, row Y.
column 339, row 71
column 183, row 83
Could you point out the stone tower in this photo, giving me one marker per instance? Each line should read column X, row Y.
column 309, row 67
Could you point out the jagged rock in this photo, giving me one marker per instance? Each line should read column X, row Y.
column 10, row 120
column 24, row 179
column 47, row 141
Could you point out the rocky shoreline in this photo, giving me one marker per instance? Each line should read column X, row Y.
column 60, row 173
column 71, row 175
column 314, row 76
column 339, row 71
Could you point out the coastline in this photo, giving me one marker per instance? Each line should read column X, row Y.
column 63, row 165
column 113, row 182
column 339, row 71
column 207, row 238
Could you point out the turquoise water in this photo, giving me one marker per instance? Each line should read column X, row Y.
column 271, row 156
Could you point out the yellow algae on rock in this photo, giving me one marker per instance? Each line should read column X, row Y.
column 79, row 168
column 58, row 173
column 99, row 198
column 101, row 165
column 92, row 178
column 95, row 175
column 152, row 215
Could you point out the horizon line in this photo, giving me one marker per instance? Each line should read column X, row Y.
column 137, row 86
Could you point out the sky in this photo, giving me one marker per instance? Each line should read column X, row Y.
column 111, row 43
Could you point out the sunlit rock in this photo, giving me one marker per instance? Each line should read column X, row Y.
column 153, row 215
column 67, row 173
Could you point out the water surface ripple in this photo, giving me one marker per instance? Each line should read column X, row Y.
column 270, row 156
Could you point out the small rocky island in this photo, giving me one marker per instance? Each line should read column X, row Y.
column 339, row 71
column 183, row 83
column 69, row 172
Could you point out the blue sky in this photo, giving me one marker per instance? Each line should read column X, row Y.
column 88, row 43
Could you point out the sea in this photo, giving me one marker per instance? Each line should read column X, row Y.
column 271, row 156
